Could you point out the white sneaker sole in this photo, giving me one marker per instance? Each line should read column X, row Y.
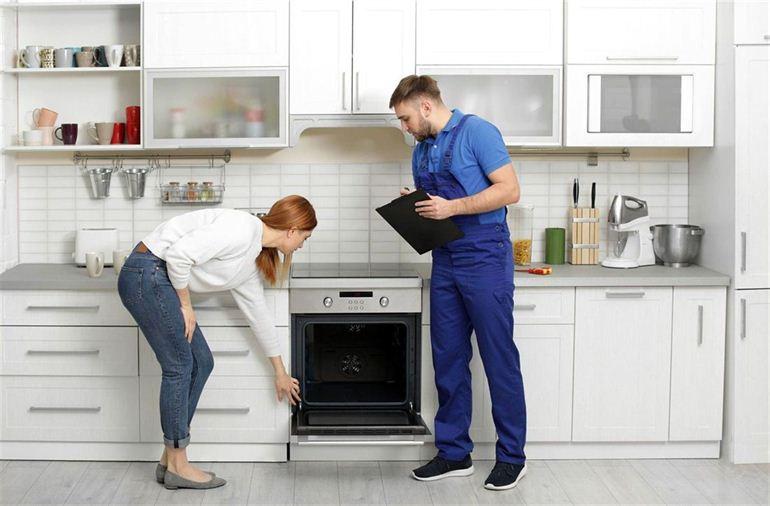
column 523, row 472
column 451, row 474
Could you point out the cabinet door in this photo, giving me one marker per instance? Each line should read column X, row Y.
column 489, row 32
column 752, row 380
column 752, row 166
column 383, row 51
column 622, row 364
column 204, row 33
column 697, row 364
column 321, row 52
column 752, row 21
column 524, row 103
column 641, row 31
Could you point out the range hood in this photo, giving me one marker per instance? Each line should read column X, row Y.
column 298, row 123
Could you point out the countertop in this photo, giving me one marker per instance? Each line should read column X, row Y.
column 71, row 277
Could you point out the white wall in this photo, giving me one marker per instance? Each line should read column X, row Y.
column 8, row 194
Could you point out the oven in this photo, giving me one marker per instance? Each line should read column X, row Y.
column 355, row 332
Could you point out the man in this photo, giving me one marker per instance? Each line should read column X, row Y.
column 461, row 162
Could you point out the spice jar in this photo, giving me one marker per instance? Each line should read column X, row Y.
column 172, row 192
column 207, row 192
column 192, row 191
column 520, row 220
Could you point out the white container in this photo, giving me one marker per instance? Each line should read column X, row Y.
column 99, row 240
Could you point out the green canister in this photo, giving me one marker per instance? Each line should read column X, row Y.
column 554, row 246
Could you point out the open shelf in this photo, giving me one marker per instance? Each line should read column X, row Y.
column 73, row 148
column 71, row 70
column 83, row 4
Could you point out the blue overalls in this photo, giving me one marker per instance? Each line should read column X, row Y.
column 472, row 289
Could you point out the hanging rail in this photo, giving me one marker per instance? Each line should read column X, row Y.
column 79, row 157
column 591, row 156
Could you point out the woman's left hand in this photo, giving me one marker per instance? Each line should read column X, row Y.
column 288, row 386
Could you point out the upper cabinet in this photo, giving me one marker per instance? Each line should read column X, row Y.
column 205, row 33
column 752, row 21
column 489, row 32
column 348, row 57
column 641, row 31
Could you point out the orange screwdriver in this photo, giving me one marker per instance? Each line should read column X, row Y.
column 542, row 271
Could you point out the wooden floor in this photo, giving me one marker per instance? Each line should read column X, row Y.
column 547, row 482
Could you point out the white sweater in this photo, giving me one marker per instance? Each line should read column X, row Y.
column 213, row 250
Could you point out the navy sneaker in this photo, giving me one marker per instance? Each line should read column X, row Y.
column 439, row 468
column 505, row 476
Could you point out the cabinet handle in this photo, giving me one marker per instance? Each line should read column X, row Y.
column 667, row 58
column 524, row 307
column 69, row 409
column 743, row 251
column 358, row 94
column 213, row 308
column 344, row 94
column 95, row 309
column 700, row 324
column 235, row 411
column 62, row 352
column 230, row 353
column 624, row 295
column 743, row 318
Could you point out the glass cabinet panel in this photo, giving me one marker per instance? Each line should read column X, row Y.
column 216, row 108
column 525, row 104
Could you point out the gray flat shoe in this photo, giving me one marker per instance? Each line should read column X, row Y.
column 160, row 473
column 174, row 481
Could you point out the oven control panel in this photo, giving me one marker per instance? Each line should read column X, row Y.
column 392, row 300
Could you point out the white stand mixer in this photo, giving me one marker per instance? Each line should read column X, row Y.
column 628, row 216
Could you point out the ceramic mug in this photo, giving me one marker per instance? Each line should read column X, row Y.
column 131, row 55
column 100, row 53
column 43, row 117
column 29, row 57
column 32, row 137
column 94, row 264
column 64, row 57
column 46, row 57
column 101, row 133
column 118, row 133
column 47, row 135
column 67, row 133
column 113, row 54
column 85, row 58
column 118, row 259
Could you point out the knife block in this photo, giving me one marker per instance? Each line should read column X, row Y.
column 584, row 236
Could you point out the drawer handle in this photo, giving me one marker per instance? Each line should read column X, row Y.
column 230, row 353
column 234, row 411
column 743, row 319
column 213, row 308
column 666, row 58
column 63, row 352
column 66, row 409
column 624, row 295
column 700, row 324
column 524, row 307
column 95, row 309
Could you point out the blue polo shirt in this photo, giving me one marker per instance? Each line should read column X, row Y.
column 479, row 150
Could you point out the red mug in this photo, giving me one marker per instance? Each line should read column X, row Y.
column 132, row 114
column 132, row 124
column 118, row 133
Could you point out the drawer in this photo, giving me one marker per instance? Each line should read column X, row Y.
column 220, row 308
column 230, row 410
column 544, row 306
column 235, row 349
column 68, row 351
column 69, row 409
column 62, row 307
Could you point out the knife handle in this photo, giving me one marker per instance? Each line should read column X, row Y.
column 575, row 192
column 593, row 195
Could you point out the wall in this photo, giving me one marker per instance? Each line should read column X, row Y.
column 8, row 183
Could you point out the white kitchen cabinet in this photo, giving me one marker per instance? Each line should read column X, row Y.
column 523, row 102
column 639, row 105
column 348, row 56
column 63, row 307
column 752, row 21
column 641, row 31
column 751, row 393
column 697, row 363
column 216, row 108
column 206, row 33
column 752, row 161
column 622, row 364
column 489, row 32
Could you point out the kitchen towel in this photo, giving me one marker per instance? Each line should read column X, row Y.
column 423, row 234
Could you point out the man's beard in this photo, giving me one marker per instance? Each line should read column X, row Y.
column 423, row 132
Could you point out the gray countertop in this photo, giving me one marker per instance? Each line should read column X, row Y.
column 70, row 277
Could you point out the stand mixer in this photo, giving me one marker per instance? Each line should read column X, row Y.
column 628, row 216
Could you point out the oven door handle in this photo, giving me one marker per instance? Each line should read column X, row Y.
column 371, row 442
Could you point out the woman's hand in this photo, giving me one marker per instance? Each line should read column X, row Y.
column 288, row 386
column 189, row 321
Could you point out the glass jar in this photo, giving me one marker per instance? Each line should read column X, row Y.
column 178, row 127
column 207, row 192
column 192, row 193
column 173, row 192
column 520, row 222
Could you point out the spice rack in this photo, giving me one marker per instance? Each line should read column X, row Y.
column 193, row 192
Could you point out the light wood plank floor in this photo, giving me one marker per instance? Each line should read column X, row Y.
column 360, row 483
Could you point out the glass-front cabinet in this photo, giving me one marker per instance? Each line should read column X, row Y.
column 216, row 107
column 523, row 102
column 654, row 105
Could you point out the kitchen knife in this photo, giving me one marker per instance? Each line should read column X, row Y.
column 575, row 192
column 593, row 195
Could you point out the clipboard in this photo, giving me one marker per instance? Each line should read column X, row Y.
column 423, row 234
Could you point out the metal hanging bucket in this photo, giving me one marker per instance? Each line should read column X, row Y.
column 100, row 181
column 135, row 179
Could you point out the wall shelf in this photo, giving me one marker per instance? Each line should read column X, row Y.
column 84, row 4
column 73, row 148
column 71, row 70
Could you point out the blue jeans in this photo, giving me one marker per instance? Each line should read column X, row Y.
column 148, row 295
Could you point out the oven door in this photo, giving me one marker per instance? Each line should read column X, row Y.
column 351, row 426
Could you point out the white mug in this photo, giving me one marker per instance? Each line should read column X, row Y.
column 29, row 57
column 118, row 259
column 94, row 264
column 32, row 137
column 47, row 132
column 114, row 54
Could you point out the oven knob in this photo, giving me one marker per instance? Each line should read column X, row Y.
column 328, row 302
column 384, row 301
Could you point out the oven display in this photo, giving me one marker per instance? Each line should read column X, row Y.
column 356, row 295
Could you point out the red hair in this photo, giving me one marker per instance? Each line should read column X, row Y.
column 292, row 212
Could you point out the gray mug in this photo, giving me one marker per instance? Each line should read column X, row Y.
column 64, row 57
column 131, row 55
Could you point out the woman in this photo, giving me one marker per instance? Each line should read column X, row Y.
column 207, row 251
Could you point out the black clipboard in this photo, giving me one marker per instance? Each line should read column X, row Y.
column 423, row 234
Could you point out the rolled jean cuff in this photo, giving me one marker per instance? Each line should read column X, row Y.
column 176, row 443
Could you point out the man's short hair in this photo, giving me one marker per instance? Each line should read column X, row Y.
column 414, row 86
